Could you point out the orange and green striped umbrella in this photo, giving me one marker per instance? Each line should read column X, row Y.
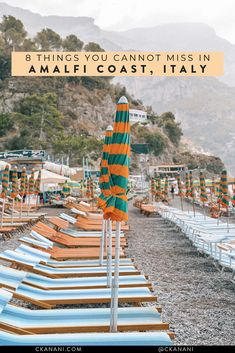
column 14, row 187
column 5, row 182
column 23, row 182
column 38, row 182
column 203, row 195
column 166, row 185
column 88, row 191
column 187, row 185
column 192, row 191
column 104, row 181
column 225, row 195
column 91, row 188
column 220, row 191
column 31, row 183
column 180, row 190
column 213, row 185
column 233, row 198
column 119, row 159
column 152, row 186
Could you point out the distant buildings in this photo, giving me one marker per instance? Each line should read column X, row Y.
column 137, row 116
column 163, row 170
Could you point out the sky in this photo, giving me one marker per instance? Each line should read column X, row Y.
column 124, row 14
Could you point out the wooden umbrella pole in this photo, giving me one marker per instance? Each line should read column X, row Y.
column 228, row 220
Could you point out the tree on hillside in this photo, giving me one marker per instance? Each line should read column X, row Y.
column 77, row 146
column 91, row 46
column 12, row 32
column 6, row 123
column 28, row 45
column 72, row 43
column 47, row 40
column 38, row 114
column 171, row 127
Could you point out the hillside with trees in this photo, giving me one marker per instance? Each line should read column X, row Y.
column 68, row 115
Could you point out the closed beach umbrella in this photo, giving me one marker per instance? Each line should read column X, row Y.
column 213, row 185
column 104, row 184
column 5, row 182
column 118, row 161
column 187, row 186
column 117, row 204
column 180, row 190
column 220, row 192
column 192, row 190
column 166, row 185
column 152, row 187
column 104, row 181
column 91, row 188
column 14, row 187
column 233, row 198
column 203, row 194
column 88, row 188
column 38, row 183
column 224, row 184
column 31, row 183
column 23, row 182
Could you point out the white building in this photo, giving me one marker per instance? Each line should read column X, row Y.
column 137, row 116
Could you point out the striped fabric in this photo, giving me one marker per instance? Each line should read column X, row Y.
column 31, row 183
column 233, row 198
column 104, row 181
column 5, row 182
column 192, row 191
column 203, row 194
column 224, row 184
column 187, row 185
column 180, row 190
column 166, row 185
column 91, row 188
column 37, row 183
column 220, row 192
column 23, row 182
column 14, row 187
column 118, row 162
column 152, row 186
column 213, row 188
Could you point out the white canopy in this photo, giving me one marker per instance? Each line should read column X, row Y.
column 48, row 177
column 3, row 165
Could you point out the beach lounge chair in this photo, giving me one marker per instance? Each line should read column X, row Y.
column 50, row 298
column 86, row 339
column 10, row 278
column 76, row 320
column 39, row 266
column 45, row 257
column 69, row 241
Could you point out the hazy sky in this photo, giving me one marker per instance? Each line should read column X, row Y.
column 125, row 14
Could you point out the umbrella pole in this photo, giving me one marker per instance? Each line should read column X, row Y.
column 193, row 209
column 102, row 242
column 109, row 255
column 181, row 201
column 12, row 211
column 115, row 282
column 228, row 220
column 21, row 205
column 3, row 208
